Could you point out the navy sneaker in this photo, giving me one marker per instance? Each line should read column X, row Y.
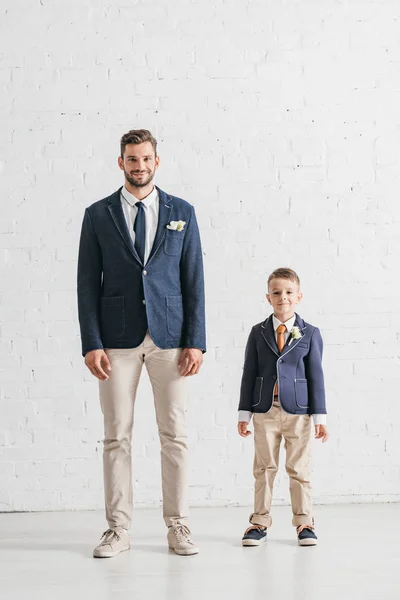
column 306, row 536
column 254, row 536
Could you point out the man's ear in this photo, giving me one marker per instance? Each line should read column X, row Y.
column 121, row 163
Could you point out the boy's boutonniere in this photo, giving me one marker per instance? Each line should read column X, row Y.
column 176, row 225
column 295, row 334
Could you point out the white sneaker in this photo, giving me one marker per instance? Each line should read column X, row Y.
column 179, row 540
column 113, row 541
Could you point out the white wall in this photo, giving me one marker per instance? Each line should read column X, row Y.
column 279, row 122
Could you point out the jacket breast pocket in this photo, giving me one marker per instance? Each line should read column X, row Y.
column 112, row 315
column 174, row 315
column 301, row 392
column 257, row 392
column 302, row 345
column 173, row 242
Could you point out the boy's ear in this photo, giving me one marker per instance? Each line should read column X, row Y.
column 268, row 297
column 299, row 296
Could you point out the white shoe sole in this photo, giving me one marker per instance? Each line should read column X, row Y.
column 100, row 554
column 308, row 542
column 253, row 542
column 188, row 552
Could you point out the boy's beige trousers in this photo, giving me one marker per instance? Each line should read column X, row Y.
column 269, row 429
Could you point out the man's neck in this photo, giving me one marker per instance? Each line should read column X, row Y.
column 139, row 192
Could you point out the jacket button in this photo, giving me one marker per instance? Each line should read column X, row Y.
column 273, row 376
column 144, row 272
column 143, row 301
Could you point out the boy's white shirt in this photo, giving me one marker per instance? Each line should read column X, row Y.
column 246, row 415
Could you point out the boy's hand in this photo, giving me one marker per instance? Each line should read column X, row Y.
column 242, row 429
column 321, row 432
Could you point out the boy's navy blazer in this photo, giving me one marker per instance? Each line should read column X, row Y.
column 119, row 298
column 298, row 369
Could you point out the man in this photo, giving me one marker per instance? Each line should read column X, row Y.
column 141, row 302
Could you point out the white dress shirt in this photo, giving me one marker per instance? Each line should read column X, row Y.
column 245, row 415
column 151, row 207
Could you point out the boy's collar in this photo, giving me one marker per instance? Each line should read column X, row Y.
column 298, row 322
column 289, row 323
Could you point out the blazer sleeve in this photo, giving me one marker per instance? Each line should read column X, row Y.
column 315, row 376
column 89, row 286
column 192, row 285
column 250, row 370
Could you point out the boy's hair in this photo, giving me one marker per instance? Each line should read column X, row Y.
column 138, row 136
column 284, row 273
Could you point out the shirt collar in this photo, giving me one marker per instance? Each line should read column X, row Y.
column 289, row 323
column 131, row 199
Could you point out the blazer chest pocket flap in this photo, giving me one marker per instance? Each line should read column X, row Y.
column 173, row 242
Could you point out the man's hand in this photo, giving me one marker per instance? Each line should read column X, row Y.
column 321, row 432
column 98, row 363
column 190, row 361
column 242, row 429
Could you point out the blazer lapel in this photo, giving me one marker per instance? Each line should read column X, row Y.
column 268, row 333
column 290, row 345
column 164, row 217
column 117, row 214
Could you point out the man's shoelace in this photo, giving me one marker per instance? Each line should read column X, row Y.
column 108, row 537
column 182, row 532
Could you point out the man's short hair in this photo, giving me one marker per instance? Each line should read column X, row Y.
column 138, row 136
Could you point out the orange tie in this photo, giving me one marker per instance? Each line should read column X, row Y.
column 281, row 337
column 281, row 343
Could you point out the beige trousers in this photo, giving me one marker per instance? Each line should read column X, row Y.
column 117, row 398
column 269, row 429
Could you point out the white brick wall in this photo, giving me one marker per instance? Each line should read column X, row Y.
column 279, row 121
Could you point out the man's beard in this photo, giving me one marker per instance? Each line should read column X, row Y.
column 141, row 182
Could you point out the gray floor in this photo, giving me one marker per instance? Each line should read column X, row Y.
column 47, row 556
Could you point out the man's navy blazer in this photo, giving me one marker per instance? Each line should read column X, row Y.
column 119, row 298
column 298, row 369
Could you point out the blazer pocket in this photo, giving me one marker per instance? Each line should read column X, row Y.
column 112, row 315
column 257, row 392
column 173, row 242
column 302, row 345
column 174, row 315
column 301, row 392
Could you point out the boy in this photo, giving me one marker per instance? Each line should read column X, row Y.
column 282, row 386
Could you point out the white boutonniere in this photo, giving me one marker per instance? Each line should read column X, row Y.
column 176, row 225
column 295, row 334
